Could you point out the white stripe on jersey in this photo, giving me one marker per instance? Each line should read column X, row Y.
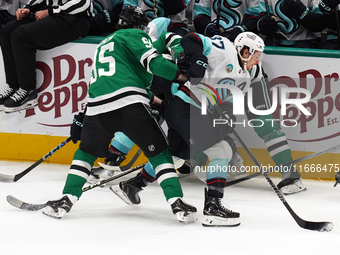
column 148, row 56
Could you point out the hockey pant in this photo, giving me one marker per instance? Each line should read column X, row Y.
column 136, row 122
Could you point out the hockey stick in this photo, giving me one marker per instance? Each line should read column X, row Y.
column 35, row 207
column 14, row 178
column 113, row 177
column 218, row 14
column 293, row 162
column 269, row 15
column 317, row 226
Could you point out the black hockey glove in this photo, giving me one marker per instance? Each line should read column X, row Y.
column 76, row 127
column 196, row 71
column 327, row 7
column 227, row 109
column 295, row 9
column 172, row 7
column 183, row 62
column 267, row 25
column 232, row 33
column 212, row 29
column 158, row 110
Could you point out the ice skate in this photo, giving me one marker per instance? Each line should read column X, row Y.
column 218, row 214
column 21, row 100
column 188, row 167
column 98, row 174
column 185, row 213
column 291, row 182
column 4, row 96
column 102, row 172
column 58, row 208
column 128, row 190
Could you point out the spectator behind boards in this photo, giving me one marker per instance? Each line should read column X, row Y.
column 106, row 13
column 39, row 25
column 8, row 8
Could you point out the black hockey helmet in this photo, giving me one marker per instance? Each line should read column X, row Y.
column 132, row 16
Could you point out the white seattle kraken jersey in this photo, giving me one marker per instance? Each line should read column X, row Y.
column 289, row 27
column 232, row 11
column 224, row 68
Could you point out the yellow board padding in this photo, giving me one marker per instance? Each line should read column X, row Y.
column 28, row 147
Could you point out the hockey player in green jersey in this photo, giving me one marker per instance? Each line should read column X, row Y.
column 123, row 66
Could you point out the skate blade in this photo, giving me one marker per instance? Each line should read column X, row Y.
column 293, row 188
column 213, row 221
column 25, row 106
column 48, row 211
column 116, row 189
column 186, row 217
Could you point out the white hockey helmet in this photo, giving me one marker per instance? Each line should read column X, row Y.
column 250, row 40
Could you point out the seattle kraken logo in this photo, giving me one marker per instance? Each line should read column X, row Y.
column 229, row 15
column 150, row 8
column 286, row 25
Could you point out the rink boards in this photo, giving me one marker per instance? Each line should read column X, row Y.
column 63, row 75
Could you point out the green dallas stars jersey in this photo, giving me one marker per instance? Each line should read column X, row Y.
column 122, row 70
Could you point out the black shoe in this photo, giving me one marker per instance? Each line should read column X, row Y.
column 128, row 190
column 218, row 214
column 132, row 187
column 189, row 166
column 21, row 100
column 58, row 208
column 185, row 213
column 4, row 96
column 291, row 182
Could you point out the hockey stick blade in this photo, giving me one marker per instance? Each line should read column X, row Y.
column 6, row 178
column 23, row 205
column 317, row 226
column 14, row 178
column 122, row 168
column 110, row 168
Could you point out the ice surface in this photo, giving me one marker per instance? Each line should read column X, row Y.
column 100, row 223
